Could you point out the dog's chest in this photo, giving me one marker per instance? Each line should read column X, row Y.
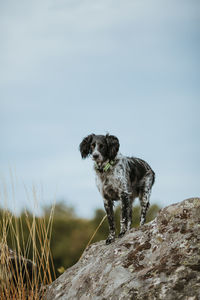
column 111, row 184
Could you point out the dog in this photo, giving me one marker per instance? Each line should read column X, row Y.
column 118, row 177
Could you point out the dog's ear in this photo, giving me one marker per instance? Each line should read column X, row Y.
column 85, row 145
column 113, row 145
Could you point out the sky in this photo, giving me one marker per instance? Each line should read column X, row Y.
column 69, row 68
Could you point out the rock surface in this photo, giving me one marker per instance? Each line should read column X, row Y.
column 160, row 260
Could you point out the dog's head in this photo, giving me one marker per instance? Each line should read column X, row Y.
column 100, row 147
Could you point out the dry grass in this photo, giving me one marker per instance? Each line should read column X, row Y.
column 23, row 278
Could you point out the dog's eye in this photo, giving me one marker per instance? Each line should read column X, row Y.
column 93, row 145
column 101, row 146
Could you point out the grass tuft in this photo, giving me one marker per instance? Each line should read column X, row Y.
column 26, row 264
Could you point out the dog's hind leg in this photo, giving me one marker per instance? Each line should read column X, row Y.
column 144, row 196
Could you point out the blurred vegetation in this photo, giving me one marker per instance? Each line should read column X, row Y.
column 70, row 234
column 29, row 236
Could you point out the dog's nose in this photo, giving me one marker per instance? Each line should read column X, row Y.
column 95, row 155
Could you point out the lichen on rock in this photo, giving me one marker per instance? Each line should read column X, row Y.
column 160, row 260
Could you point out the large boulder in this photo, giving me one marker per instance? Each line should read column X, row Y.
column 160, row 260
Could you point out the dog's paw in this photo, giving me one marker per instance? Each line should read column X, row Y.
column 110, row 239
column 122, row 233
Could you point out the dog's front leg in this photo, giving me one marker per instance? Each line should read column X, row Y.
column 126, row 214
column 108, row 204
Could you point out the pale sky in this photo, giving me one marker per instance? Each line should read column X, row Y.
column 69, row 68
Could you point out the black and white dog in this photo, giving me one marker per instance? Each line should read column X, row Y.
column 118, row 177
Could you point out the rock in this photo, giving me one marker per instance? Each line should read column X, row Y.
column 160, row 260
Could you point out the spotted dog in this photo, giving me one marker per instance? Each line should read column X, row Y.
column 118, row 177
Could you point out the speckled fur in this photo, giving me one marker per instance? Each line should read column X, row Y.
column 126, row 179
